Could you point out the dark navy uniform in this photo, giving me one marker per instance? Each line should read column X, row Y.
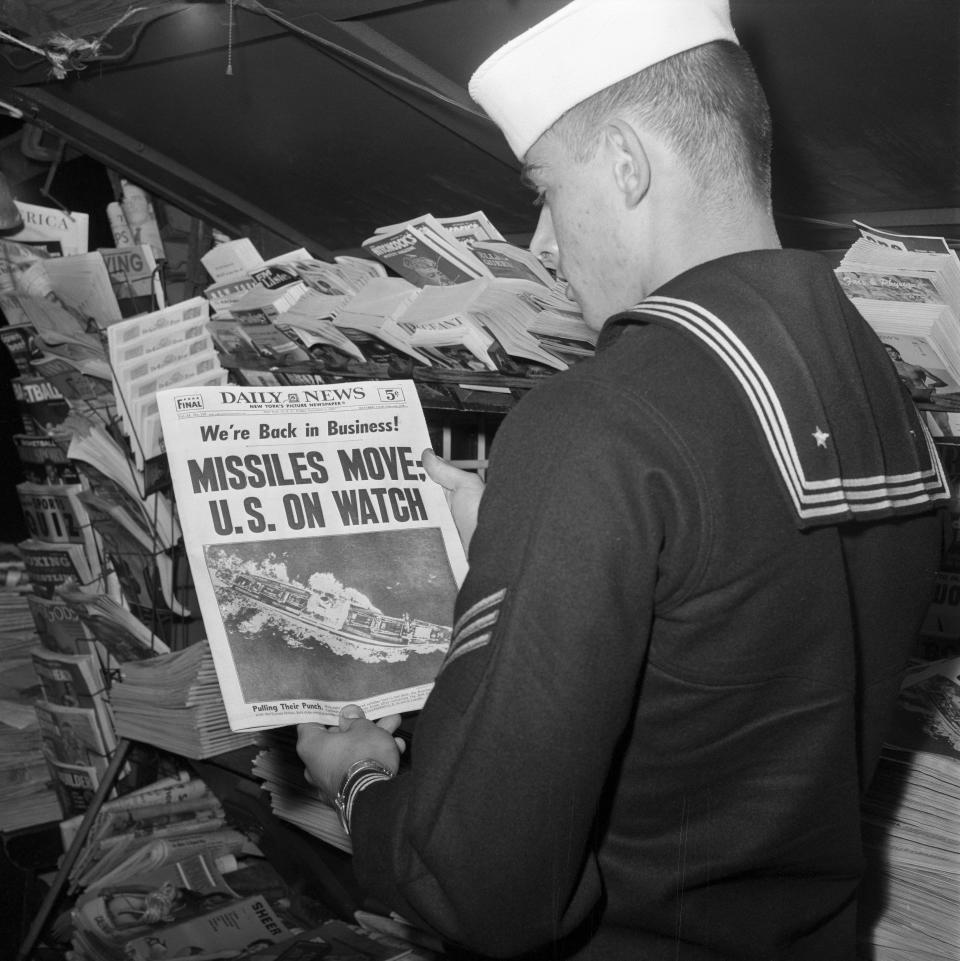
column 701, row 561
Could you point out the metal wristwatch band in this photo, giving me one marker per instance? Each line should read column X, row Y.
column 358, row 776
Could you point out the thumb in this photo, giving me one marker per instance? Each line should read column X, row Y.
column 349, row 714
column 450, row 478
column 440, row 471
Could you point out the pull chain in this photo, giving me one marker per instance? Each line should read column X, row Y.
column 230, row 4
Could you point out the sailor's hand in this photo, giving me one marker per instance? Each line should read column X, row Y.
column 463, row 490
column 328, row 752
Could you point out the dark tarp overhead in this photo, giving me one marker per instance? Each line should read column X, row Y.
column 37, row 21
column 343, row 115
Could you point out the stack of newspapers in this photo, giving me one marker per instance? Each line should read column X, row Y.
column 459, row 299
column 153, row 351
column 291, row 797
column 173, row 702
column 908, row 289
column 911, row 819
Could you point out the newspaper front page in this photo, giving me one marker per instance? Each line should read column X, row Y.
column 325, row 561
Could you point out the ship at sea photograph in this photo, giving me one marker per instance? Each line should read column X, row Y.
column 338, row 617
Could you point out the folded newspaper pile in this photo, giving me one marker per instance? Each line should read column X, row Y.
column 291, row 798
column 911, row 819
column 173, row 702
column 459, row 298
column 908, row 289
column 153, row 351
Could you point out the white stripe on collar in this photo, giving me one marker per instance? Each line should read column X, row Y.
column 812, row 499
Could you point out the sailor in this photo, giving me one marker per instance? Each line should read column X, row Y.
column 699, row 564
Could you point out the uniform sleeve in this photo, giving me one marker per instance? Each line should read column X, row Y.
column 487, row 839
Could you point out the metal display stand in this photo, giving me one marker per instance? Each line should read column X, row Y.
column 56, row 888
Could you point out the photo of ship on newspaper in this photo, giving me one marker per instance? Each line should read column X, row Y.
column 350, row 612
column 326, row 563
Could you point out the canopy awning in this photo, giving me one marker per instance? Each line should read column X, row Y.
column 338, row 116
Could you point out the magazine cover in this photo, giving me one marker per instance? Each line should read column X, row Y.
column 417, row 257
column 325, row 561
column 58, row 627
column 236, row 928
column 927, row 717
column 41, row 406
column 65, row 232
column 74, row 784
column 43, row 459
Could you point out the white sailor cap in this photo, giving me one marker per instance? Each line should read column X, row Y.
column 587, row 45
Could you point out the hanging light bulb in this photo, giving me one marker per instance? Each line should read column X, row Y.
column 10, row 220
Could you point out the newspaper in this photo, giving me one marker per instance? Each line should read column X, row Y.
column 82, row 283
column 60, row 231
column 425, row 253
column 135, row 278
column 472, row 228
column 325, row 562
column 907, row 287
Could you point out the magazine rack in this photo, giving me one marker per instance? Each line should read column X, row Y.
column 320, row 868
column 70, row 856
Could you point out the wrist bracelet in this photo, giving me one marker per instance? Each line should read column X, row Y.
column 358, row 776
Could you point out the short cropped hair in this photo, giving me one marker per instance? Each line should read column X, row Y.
column 708, row 105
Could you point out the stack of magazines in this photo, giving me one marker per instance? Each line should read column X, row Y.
column 187, row 888
column 26, row 796
column 173, row 702
column 16, row 622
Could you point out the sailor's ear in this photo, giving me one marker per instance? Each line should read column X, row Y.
column 631, row 165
